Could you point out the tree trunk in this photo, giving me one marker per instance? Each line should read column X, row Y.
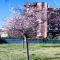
column 27, row 48
column 24, row 41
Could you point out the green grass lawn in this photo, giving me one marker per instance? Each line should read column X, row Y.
column 37, row 52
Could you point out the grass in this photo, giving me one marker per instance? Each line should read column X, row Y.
column 37, row 52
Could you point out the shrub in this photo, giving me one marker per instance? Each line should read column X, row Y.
column 50, row 36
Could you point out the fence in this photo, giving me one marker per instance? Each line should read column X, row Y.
column 29, row 41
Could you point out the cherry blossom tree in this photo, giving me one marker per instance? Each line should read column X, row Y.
column 25, row 25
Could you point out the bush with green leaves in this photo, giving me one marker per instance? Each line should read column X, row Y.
column 50, row 36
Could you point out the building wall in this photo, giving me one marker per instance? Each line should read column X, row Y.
column 42, row 30
column 3, row 33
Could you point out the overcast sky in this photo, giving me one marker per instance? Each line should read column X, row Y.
column 6, row 5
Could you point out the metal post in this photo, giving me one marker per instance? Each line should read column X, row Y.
column 23, row 43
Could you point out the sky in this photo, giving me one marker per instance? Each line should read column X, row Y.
column 7, row 5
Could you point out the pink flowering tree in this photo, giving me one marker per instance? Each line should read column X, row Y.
column 25, row 25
